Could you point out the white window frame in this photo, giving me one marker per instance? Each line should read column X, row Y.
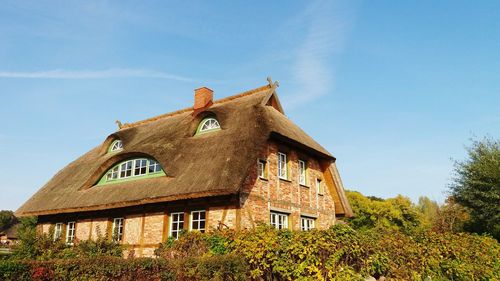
column 58, row 228
column 282, row 166
column 199, row 220
column 124, row 169
column 172, row 232
column 214, row 124
column 262, row 168
column 319, row 187
column 140, row 164
column 117, row 229
column 116, row 145
column 70, row 232
column 114, row 173
column 151, row 167
column 302, row 172
column 278, row 220
column 307, row 223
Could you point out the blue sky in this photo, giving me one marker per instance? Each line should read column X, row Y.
column 394, row 89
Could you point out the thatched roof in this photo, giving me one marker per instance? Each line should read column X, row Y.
column 196, row 165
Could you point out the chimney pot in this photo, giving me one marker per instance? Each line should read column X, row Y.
column 203, row 97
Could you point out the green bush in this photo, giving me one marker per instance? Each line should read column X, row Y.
column 338, row 253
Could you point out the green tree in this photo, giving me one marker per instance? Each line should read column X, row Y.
column 451, row 217
column 7, row 219
column 26, row 248
column 476, row 186
column 396, row 213
column 429, row 210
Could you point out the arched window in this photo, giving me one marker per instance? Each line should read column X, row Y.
column 116, row 146
column 131, row 169
column 208, row 124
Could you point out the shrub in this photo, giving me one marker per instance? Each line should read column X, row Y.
column 338, row 253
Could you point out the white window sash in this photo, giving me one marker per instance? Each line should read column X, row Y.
column 302, row 172
column 180, row 219
column 70, row 232
column 198, row 220
column 117, row 233
column 57, row 231
column 282, row 166
column 278, row 220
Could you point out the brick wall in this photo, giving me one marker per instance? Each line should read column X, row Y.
column 143, row 230
column 261, row 196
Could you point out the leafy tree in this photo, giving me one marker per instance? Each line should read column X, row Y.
column 476, row 186
column 429, row 210
column 27, row 239
column 396, row 213
column 7, row 219
column 451, row 217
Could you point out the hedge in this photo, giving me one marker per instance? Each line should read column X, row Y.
column 339, row 253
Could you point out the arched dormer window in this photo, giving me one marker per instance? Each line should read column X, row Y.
column 208, row 124
column 132, row 169
column 116, row 145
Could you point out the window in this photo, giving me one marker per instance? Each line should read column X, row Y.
column 132, row 168
column 140, row 167
column 208, row 124
column 70, row 233
column 126, row 169
column 302, row 172
column 279, row 220
column 116, row 145
column 58, row 231
column 177, row 224
column 117, row 229
column 319, row 187
column 112, row 174
column 262, row 168
column 282, row 167
column 154, row 166
column 198, row 219
column 306, row 223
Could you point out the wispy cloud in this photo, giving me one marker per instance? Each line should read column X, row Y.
column 328, row 23
column 95, row 74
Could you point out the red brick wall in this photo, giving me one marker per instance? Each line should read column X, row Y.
column 144, row 230
column 260, row 196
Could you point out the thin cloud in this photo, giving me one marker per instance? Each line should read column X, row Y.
column 95, row 74
column 328, row 23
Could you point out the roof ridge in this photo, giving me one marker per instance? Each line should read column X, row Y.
column 177, row 112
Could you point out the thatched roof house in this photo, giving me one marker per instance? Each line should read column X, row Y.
column 218, row 161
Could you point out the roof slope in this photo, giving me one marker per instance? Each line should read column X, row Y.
column 196, row 165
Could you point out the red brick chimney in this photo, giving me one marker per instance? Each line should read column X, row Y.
column 203, row 98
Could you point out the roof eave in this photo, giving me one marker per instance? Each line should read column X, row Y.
column 294, row 143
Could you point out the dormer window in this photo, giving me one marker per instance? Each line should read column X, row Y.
column 208, row 124
column 116, row 145
column 132, row 169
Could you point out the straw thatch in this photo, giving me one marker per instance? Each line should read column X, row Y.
column 196, row 165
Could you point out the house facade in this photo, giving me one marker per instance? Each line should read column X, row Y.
column 229, row 163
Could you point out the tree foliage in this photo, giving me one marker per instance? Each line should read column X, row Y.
column 7, row 219
column 476, row 186
column 397, row 213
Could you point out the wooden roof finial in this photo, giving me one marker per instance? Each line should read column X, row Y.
column 119, row 124
column 276, row 84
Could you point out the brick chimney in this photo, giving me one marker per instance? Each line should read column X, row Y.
column 203, row 98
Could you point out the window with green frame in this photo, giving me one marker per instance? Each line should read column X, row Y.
column 208, row 124
column 131, row 169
